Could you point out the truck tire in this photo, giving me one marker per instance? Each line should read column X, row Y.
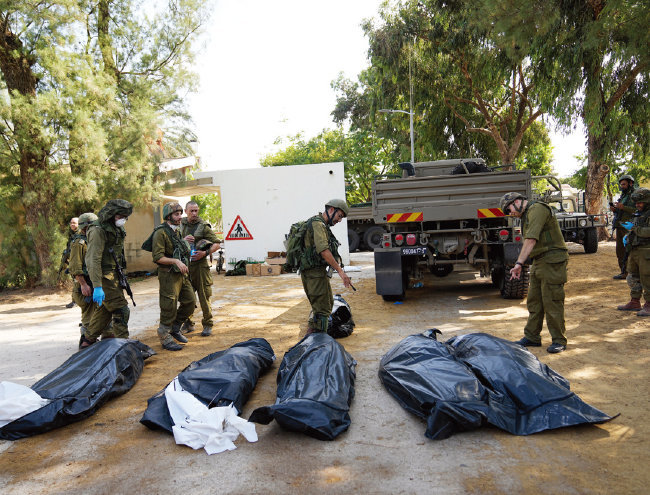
column 511, row 288
column 590, row 242
column 373, row 236
column 353, row 240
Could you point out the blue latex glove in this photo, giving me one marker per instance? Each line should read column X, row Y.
column 625, row 240
column 627, row 225
column 98, row 295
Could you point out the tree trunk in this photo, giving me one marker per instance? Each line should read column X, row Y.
column 37, row 190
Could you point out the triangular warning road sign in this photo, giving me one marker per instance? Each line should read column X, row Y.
column 238, row 231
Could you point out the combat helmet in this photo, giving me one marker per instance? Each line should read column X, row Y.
column 508, row 199
column 170, row 208
column 626, row 177
column 641, row 195
column 86, row 219
column 115, row 207
column 340, row 204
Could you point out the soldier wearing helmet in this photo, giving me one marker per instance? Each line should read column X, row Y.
column 82, row 291
column 544, row 244
column 623, row 210
column 638, row 245
column 105, row 244
column 321, row 252
column 172, row 255
column 198, row 233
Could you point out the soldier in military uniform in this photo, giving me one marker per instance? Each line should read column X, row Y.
column 65, row 256
column 623, row 210
column 321, row 252
column 203, row 242
column 172, row 254
column 544, row 244
column 638, row 261
column 105, row 236
column 82, row 292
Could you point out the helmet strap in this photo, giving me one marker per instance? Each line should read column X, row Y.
column 330, row 218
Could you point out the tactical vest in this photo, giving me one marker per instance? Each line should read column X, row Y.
column 550, row 237
column 625, row 200
column 81, row 237
column 193, row 229
column 310, row 258
column 180, row 246
column 114, row 239
column 640, row 221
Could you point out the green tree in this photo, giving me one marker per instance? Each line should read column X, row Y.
column 590, row 60
column 364, row 155
column 210, row 209
column 469, row 97
column 85, row 87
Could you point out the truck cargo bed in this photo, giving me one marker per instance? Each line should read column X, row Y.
column 445, row 197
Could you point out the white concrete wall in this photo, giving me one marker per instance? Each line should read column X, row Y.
column 270, row 199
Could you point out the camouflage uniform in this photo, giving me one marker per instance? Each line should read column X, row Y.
column 624, row 215
column 638, row 262
column 102, row 236
column 200, row 276
column 548, row 273
column 78, row 267
column 313, row 272
column 176, row 295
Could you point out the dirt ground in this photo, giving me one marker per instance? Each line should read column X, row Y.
column 385, row 450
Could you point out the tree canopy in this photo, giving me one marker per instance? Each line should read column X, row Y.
column 87, row 87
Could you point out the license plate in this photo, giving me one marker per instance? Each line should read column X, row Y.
column 416, row 250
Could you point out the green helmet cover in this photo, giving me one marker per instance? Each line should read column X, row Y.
column 115, row 207
column 170, row 208
column 86, row 219
column 641, row 195
column 341, row 204
column 508, row 199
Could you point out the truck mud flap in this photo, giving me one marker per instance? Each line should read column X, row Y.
column 388, row 272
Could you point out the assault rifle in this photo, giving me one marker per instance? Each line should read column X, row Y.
column 121, row 276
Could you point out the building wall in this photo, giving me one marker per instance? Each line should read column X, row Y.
column 270, row 199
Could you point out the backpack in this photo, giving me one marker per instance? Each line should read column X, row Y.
column 295, row 244
column 147, row 245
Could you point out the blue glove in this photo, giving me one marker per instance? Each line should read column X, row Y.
column 627, row 225
column 98, row 295
column 625, row 240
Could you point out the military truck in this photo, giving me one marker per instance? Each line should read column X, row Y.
column 444, row 215
column 576, row 225
column 363, row 233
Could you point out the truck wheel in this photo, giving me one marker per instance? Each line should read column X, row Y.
column 590, row 242
column 373, row 236
column 353, row 240
column 514, row 288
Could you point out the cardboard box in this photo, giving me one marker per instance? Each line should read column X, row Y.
column 253, row 269
column 276, row 261
column 269, row 270
column 276, row 254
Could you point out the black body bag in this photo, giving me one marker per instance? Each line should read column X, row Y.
column 315, row 389
column 81, row 385
column 478, row 378
column 219, row 379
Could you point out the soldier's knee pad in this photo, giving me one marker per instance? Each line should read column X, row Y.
column 121, row 316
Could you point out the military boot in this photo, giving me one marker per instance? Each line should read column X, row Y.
column 84, row 343
column 620, row 276
column 207, row 331
column 166, row 339
column 633, row 305
column 176, row 333
column 187, row 327
column 645, row 311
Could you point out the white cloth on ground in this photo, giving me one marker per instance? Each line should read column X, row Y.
column 196, row 426
column 18, row 400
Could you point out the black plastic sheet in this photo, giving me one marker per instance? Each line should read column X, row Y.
column 81, row 385
column 219, row 379
column 340, row 323
column 477, row 378
column 315, row 389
